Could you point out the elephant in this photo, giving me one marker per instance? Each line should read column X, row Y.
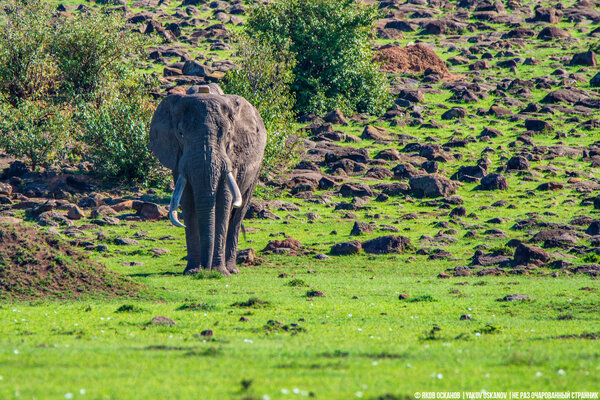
column 214, row 144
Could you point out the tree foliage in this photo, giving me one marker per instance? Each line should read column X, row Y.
column 331, row 43
column 263, row 77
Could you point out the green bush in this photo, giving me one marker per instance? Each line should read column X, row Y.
column 35, row 130
column 331, row 41
column 61, row 75
column 263, row 77
column 116, row 135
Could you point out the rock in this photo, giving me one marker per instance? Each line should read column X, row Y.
column 16, row 169
column 335, row 117
column 315, row 293
column 346, row 248
column 150, row 211
column 465, row 317
column 595, row 81
column 518, row 163
column 195, row 68
column 386, row 244
column 593, row 229
column 550, row 186
column 103, row 211
column 458, row 212
column 494, row 182
column 159, row 320
column 123, row 206
column 356, row 190
column 246, row 257
column 468, row 173
column 432, row 185
column 360, row 228
column 454, row 113
column 159, row 252
column 207, row 333
column 75, row 212
column 515, row 297
column 547, row 14
column 525, row 254
column 289, row 244
column 569, row 96
column 552, row 32
column 126, row 242
column 5, row 189
column 587, row 58
column 372, row 132
column 538, row 125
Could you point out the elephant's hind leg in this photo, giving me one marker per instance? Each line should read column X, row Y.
column 222, row 212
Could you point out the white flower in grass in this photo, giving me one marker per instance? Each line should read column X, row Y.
column 285, row 391
column 477, row 334
column 561, row 372
column 82, row 391
column 266, row 397
column 349, row 315
column 375, row 363
column 68, row 396
column 296, row 391
column 359, row 394
column 16, row 351
column 1, row 377
column 248, row 341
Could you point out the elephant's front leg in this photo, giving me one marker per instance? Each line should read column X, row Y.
column 222, row 213
column 192, row 232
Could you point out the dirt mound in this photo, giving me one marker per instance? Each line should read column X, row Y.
column 34, row 264
column 414, row 59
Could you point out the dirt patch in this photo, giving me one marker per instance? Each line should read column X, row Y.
column 415, row 59
column 34, row 264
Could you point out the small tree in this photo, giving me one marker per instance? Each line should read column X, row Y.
column 263, row 77
column 331, row 41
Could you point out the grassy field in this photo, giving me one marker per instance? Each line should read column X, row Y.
column 360, row 340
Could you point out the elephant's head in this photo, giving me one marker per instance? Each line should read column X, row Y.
column 191, row 135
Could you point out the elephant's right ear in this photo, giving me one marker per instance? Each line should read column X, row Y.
column 163, row 141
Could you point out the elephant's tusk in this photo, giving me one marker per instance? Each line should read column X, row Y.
column 175, row 199
column 237, row 195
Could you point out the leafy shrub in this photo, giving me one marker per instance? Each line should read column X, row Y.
column 263, row 77
column 94, row 51
column 60, row 75
column 116, row 135
column 330, row 40
column 27, row 68
column 35, row 130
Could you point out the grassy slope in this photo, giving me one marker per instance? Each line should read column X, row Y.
column 63, row 347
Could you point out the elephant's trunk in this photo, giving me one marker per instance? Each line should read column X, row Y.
column 175, row 199
column 235, row 190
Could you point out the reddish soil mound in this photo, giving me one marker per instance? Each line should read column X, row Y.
column 414, row 59
column 35, row 265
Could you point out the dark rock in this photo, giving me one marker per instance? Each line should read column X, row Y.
column 538, row 125
column 159, row 320
column 593, row 229
column 360, row 228
column 525, row 254
column 246, row 257
column 386, row 244
column 515, row 297
column 454, row 113
column 355, row 190
column 587, row 58
column 494, row 182
column 126, row 242
column 518, row 163
column 346, row 248
column 431, row 186
column 335, row 117
column 552, row 32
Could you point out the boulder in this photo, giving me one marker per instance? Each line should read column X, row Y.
column 360, row 228
column 432, row 185
column 346, row 248
column 525, row 254
column 494, row 182
column 386, row 244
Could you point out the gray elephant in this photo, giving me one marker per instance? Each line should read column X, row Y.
column 214, row 144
